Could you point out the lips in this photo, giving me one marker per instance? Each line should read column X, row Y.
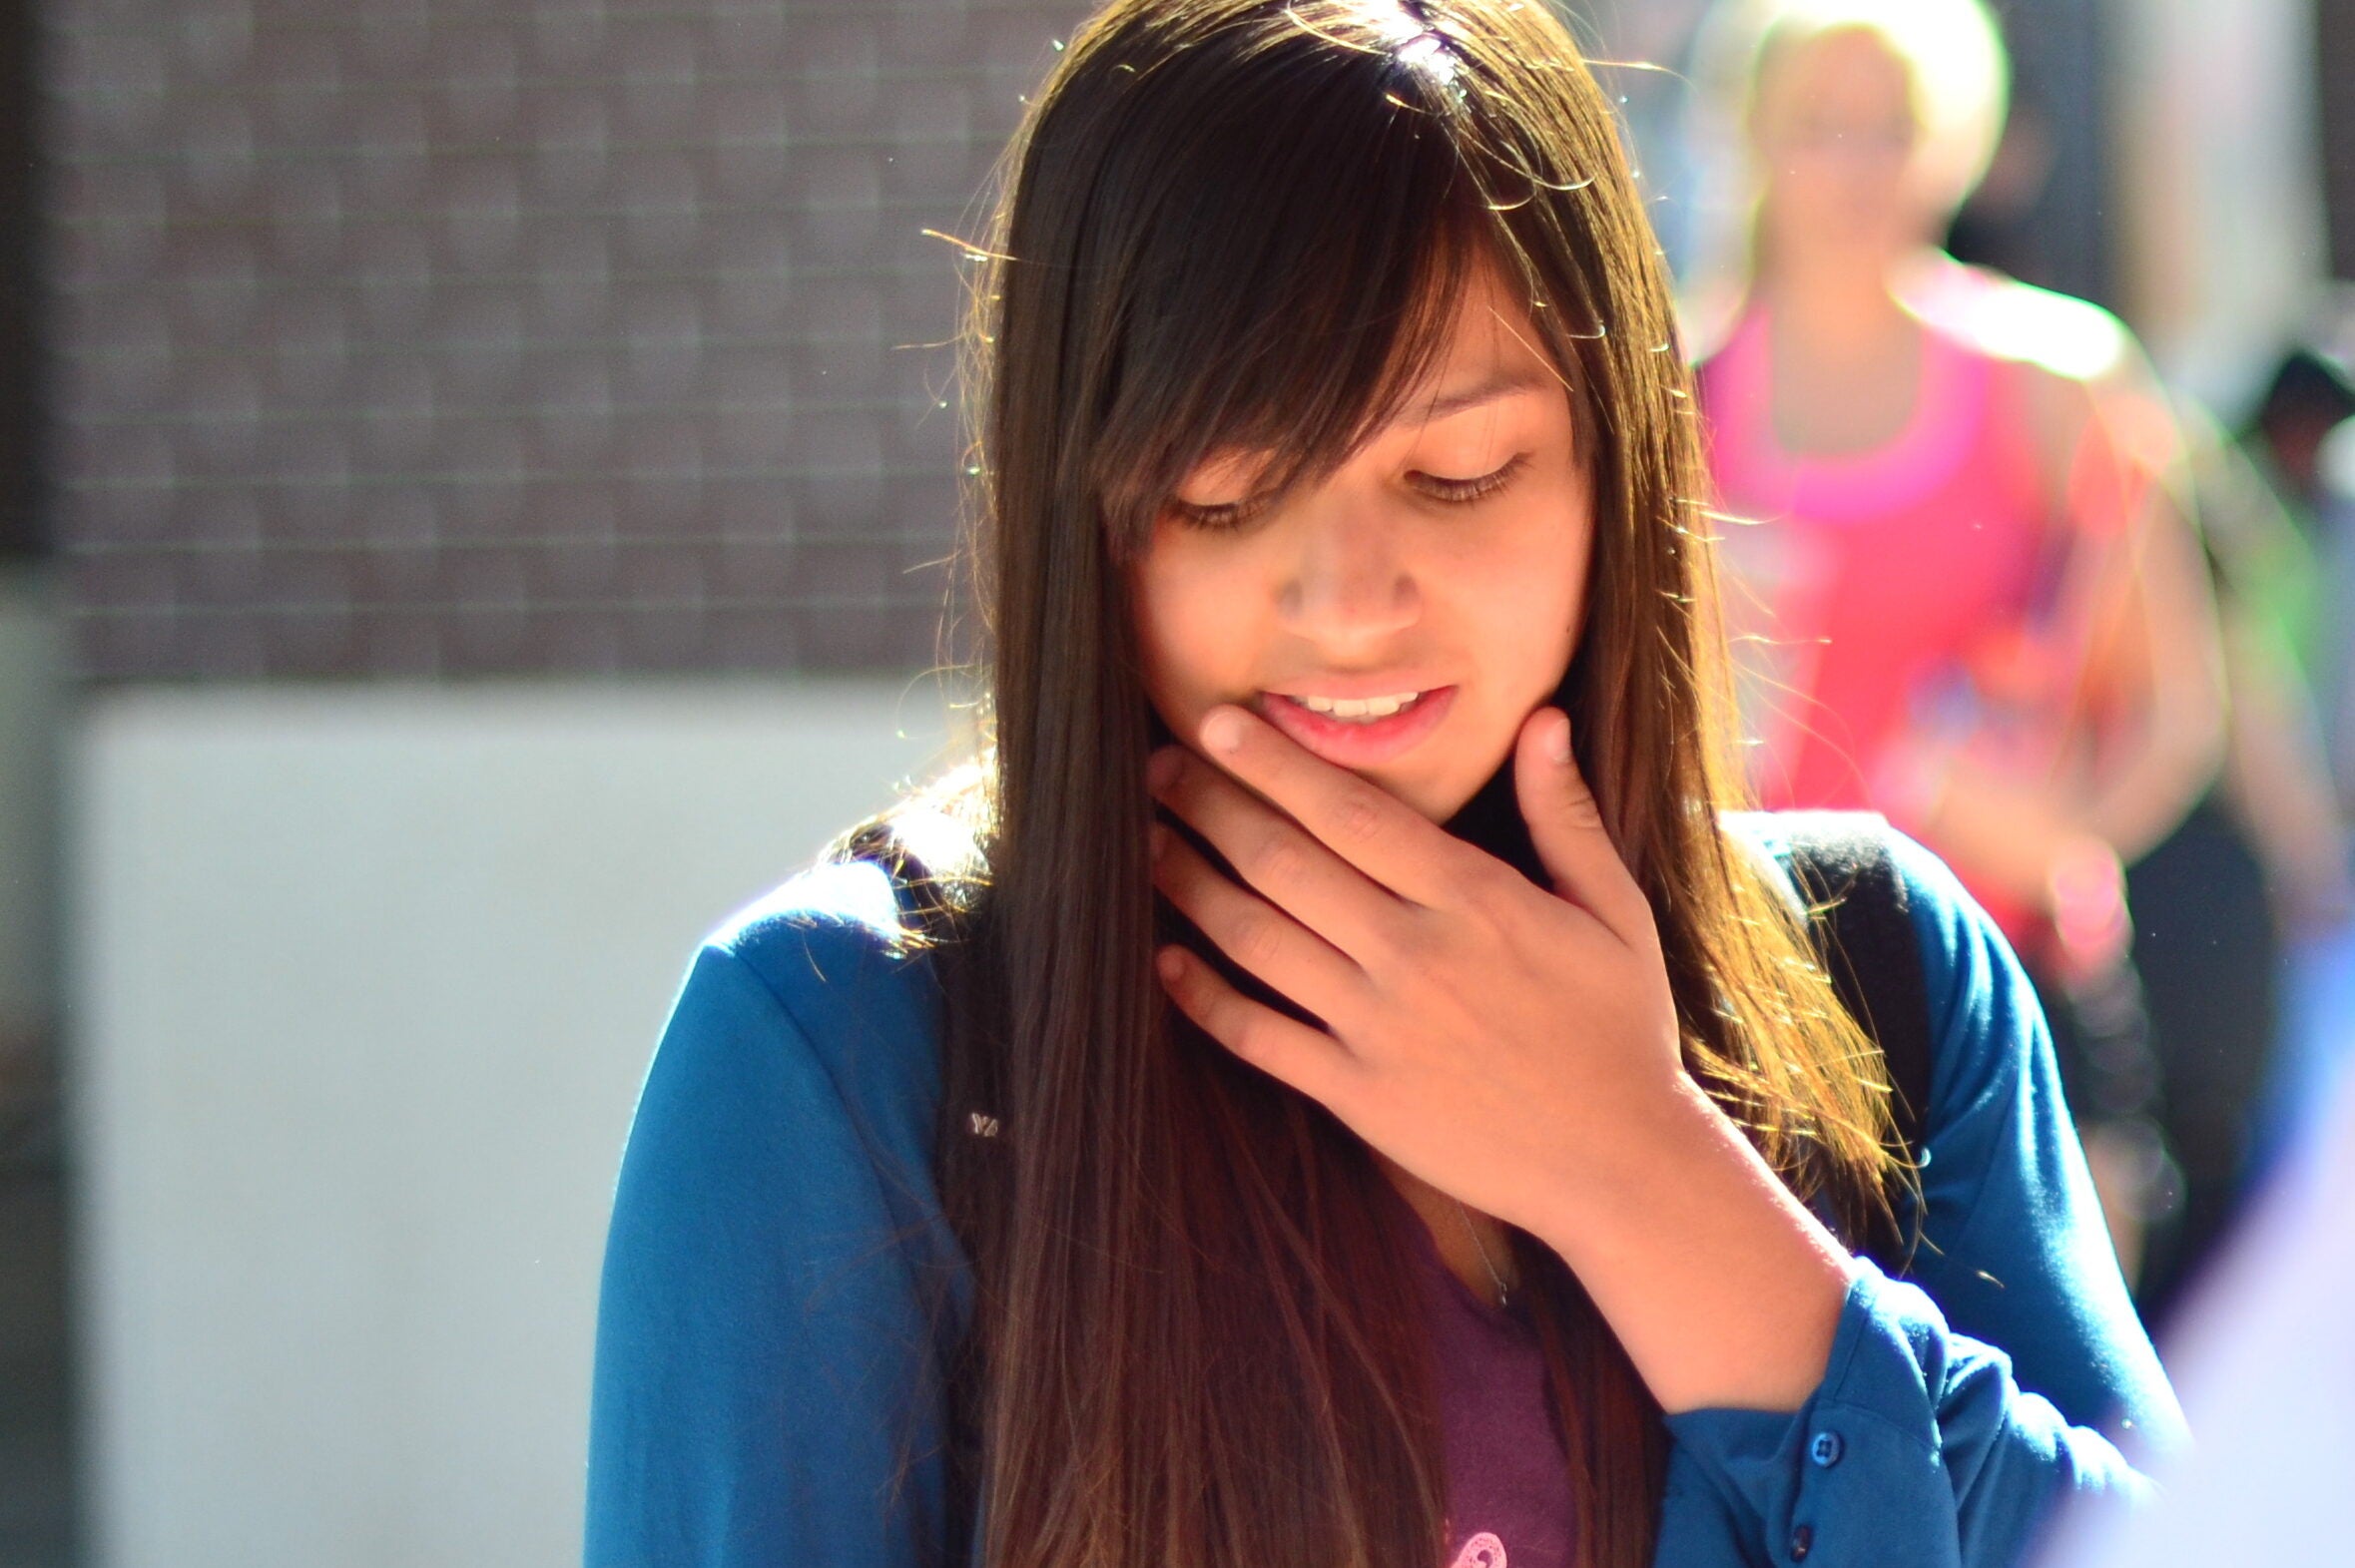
column 1357, row 743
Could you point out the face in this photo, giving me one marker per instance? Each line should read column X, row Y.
column 1840, row 149
column 1402, row 617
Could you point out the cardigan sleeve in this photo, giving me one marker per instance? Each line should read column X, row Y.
column 1959, row 1405
column 765, row 1383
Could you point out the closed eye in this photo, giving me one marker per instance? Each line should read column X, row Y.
column 1225, row 515
column 1453, row 492
column 1460, row 492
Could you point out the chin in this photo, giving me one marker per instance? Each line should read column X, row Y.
column 1436, row 801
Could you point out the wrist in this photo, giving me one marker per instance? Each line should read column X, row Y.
column 1647, row 1155
column 1720, row 1285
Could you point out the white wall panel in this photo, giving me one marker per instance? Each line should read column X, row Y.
column 364, row 982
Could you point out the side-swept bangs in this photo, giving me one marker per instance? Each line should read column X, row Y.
column 1271, row 244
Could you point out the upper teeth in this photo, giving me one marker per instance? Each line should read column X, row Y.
column 1358, row 707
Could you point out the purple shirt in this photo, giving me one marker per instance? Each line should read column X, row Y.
column 1508, row 1495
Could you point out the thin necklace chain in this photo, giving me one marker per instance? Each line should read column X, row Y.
column 1503, row 1296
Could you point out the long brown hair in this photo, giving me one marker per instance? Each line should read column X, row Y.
column 1240, row 224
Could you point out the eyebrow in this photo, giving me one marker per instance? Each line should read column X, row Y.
column 1501, row 384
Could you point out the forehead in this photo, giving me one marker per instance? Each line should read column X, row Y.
column 1491, row 347
column 1476, row 342
column 1847, row 68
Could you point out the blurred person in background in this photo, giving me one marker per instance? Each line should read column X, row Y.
column 2266, row 519
column 2310, row 396
column 1965, row 594
column 2298, row 439
column 2300, row 442
column 2260, row 862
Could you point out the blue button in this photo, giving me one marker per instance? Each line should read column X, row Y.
column 1826, row 1450
column 1802, row 1542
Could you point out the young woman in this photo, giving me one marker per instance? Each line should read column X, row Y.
column 1456, row 1162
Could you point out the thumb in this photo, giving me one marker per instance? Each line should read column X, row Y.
column 1566, row 824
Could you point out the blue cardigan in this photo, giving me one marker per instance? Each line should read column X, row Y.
column 765, row 1361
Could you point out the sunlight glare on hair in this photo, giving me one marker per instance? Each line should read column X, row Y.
column 1415, row 43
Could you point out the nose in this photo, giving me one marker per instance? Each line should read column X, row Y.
column 1350, row 580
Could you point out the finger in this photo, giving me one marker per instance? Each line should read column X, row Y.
column 1310, row 1060
column 1262, row 938
column 1565, row 824
column 1283, row 863
column 1372, row 830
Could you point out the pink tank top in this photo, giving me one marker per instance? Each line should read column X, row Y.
column 1878, row 594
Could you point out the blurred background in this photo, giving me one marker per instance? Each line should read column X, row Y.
column 475, row 483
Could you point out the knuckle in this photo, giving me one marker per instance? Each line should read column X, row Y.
column 1247, row 1035
column 1257, row 941
column 1356, row 819
column 1279, row 863
column 1488, row 892
column 1389, row 940
column 1417, row 960
column 1581, row 807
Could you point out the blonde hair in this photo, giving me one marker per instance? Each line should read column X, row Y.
column 1960, row 80
column 1953, row 53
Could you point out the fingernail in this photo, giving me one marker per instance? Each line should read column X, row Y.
column 1561, row 743
column 1223, row 729
column 1162, row 771
column 1171, row 963
column 1160, row 841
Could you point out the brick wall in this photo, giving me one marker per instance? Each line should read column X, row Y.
column 413, row 340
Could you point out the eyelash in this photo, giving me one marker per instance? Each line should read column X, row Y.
column 1451, row 492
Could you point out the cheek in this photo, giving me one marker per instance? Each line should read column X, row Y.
column 1528, row 599
column 1555, row 593
column 1192, row 632
column 1811, row 181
